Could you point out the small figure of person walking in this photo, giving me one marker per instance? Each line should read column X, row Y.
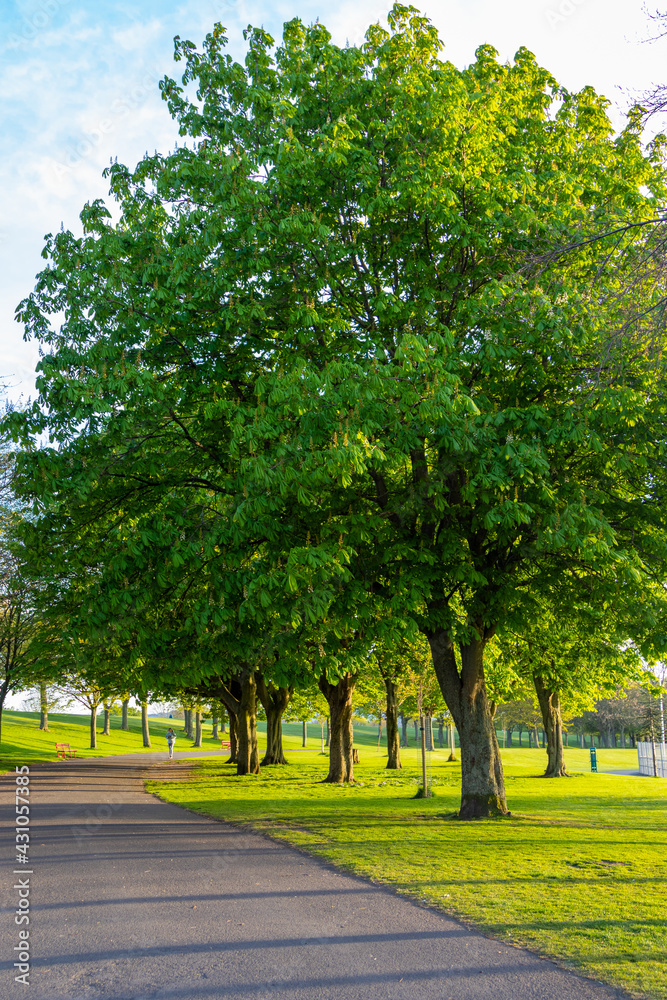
column 171, row 739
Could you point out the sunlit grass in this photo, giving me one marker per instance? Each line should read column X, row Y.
column 24, row 743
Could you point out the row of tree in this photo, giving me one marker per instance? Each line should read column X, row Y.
column 364, row 378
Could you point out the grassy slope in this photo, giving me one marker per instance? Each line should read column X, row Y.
column 577, row 873
column 24, row 743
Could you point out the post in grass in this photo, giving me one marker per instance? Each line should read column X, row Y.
column 424, row 792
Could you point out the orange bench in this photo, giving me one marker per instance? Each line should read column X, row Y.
column 63, row 751
column 226, row 744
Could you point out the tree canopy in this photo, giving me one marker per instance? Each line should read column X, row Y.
column 326, row 383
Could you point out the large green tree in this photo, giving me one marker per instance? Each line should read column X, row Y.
column 320, row 364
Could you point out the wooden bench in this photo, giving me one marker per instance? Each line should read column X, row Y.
column 63, row 751
column 226, row 744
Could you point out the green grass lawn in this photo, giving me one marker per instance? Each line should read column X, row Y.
column 24, row 743
column 577, row 872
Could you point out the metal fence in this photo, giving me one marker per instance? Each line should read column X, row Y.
column 645, row 754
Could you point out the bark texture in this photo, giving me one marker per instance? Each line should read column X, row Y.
column 43, row 708
column 549, row 702
column 274, row 701
column 239, row 696
column 393, row 733
column 452, row 744
column 146, row 736
column 228, row 692
column 248, row 751
column 93, row 728
column 3, row 694
column 339, row 699
column 124, row 724
column 107, row 719
column 198, row 729
column 482, row 781
column 214, row 727
column 233, row 740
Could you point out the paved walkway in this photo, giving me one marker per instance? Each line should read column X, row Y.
column 132, row 898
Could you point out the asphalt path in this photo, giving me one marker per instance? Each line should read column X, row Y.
column 134, row 898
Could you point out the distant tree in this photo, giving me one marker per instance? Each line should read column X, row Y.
column 44, row 698
column 84, row 688
column 20, row 620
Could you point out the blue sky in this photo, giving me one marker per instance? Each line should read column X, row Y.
column 78, row 85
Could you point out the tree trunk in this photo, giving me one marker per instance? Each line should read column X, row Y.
column 248, row 751
column 146, row 736
column 404, row 727
column 107, row 719
column 416, row 725
column 124, row 724
column 274, row 701
column 550, row 708
column 328, row 738
column 482, row 781
column 233, row 740
column 198, row 729
column 43, row 708
column 425, row 791
column 93, row 728
column 393, row 736
column 3, row 694
column 452, row 744
column 441, row 732
column 274, row 739
column 229, row 693
column 214, row 727
column 339, row 699
column 508, row 738
column 304, row 733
